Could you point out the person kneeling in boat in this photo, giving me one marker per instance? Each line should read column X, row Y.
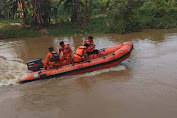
column 52, row 60
column 67, row 52
column 80, row 53
column 91, row 48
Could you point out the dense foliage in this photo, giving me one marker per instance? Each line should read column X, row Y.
column 90, row 16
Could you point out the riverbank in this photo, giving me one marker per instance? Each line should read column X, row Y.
column 98, row 24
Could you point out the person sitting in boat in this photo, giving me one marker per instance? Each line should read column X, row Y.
column 67, row 52
column 52, row 60
column 80, row 53
column 91, row 48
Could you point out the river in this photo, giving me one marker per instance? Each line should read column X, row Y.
column 143, row 86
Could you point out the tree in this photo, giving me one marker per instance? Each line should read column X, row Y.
column 41, row 10
column 11, row 7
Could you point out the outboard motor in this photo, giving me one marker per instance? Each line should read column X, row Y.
column 35, row 64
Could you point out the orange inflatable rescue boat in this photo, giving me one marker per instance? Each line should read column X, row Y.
column 111, row 57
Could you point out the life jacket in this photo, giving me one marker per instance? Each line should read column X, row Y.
column 79, row 52
column 65, row 50
column 90, row 48
column 55, row 57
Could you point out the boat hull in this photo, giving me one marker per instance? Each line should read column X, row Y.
column 112, row 57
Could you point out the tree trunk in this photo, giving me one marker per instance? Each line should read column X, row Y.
column 78, row 12
column 86, row 12
column 90, row 8
column 40, row 13
column 76, row 15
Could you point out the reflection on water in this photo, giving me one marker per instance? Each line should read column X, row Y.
column 143, row 86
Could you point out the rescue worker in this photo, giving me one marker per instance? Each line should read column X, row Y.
column 80, row 53
column 67, row 52
column 52, row 60
column 91, row 48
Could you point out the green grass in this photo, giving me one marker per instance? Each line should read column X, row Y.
column 95, row 25
column 16, row 32
column 8, row 22
column 64, row 30
column 8, row 31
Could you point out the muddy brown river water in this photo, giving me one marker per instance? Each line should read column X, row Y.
column 143, row 86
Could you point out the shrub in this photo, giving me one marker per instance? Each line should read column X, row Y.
column 124, row 19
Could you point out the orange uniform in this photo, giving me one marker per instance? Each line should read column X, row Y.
column 91, row 45
column 78, row 55
column 49, row 63
column 67, row 52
